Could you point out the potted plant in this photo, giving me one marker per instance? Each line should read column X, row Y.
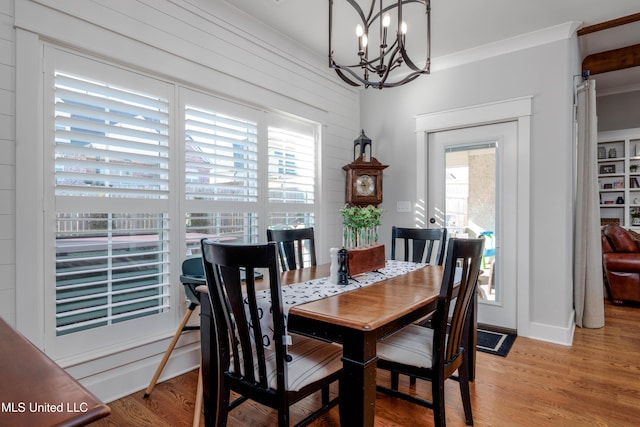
column 360, row 226
column 633, row 168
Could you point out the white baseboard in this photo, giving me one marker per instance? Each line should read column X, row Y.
column 551, row 333
column 124, row 377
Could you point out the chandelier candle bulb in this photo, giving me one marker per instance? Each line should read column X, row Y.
column 393, row 64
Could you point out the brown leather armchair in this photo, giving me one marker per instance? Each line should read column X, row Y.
column 621, row 262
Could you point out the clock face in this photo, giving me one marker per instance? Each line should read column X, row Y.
column 365, row 185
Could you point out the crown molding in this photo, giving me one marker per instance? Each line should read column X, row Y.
column 502, row 47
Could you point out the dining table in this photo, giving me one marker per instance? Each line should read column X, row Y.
column 357, row 319
column 36, row 391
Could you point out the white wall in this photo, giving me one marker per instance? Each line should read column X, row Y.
column 200, row 43
column 544, row 72
column 7, row 164
column 618, row 111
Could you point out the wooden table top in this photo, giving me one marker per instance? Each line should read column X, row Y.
column 382, row 301
column 35, row 391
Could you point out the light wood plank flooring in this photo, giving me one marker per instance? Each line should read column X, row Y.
column 595, row 382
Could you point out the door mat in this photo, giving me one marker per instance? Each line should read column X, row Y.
column 495, row 342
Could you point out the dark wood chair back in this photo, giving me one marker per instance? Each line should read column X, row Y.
column 242, row 333
column 427, row 244
column 295, row 246
column 253, row 357
column 459, row 283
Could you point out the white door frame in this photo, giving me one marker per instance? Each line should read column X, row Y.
column 519, row 110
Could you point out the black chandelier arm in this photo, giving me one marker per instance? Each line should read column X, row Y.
column 345, row 78
column 394, row 55
column 414, row 67
column 367, row 61
column 356, row 6
column 342, row 71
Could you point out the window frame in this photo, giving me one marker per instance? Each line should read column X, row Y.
column 76, row 350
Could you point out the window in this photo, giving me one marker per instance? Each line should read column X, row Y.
column 292, row 173
column 127, row 161
column 110, row 142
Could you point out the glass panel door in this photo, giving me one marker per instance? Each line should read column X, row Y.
column 470, row 203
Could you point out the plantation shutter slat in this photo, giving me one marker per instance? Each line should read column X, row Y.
column 110, row 142
column 221, row 159
column 109, row 138
column 291, row 167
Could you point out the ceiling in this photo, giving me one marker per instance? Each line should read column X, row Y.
column 458, row 25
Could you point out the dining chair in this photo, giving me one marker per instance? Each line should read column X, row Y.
column 293, row 245
column 420, row 244
column 423, row 244
column 272, row 372
column 434, row 354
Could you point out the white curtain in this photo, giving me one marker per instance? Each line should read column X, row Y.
column 587, row 275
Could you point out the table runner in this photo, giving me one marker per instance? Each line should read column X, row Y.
column 311, row 290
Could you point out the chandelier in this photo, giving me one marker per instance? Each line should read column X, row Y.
column 373, row 65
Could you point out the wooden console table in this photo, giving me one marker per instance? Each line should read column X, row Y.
column 35, row 391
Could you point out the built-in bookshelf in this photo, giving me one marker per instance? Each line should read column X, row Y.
column 619, row 177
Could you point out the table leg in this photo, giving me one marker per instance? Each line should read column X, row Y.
column 358, row 385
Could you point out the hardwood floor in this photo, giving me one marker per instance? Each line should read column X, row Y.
column 595, row 382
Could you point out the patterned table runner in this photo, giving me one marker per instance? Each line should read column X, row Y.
column 303, row 292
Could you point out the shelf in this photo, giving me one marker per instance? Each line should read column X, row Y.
column 625, row 185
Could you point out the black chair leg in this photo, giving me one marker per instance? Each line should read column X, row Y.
column 394, row 380
column 325, row 396
column 223, row 406
column 439, row 416
column 283, row 416
column 463, row 379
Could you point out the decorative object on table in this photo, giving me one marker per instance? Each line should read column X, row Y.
column 620, row 200
column 335, row 266
column 365, row 259
column 602, row 152
column 613, row 153
column 360, row 226
column 608, row 186
column 360, row 239
column 633, row 168
column 343, row 267
column 364, row 176
column 635, row 216
column 376, row 69
column 607, row 169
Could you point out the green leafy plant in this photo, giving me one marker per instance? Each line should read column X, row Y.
column 360, row 225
